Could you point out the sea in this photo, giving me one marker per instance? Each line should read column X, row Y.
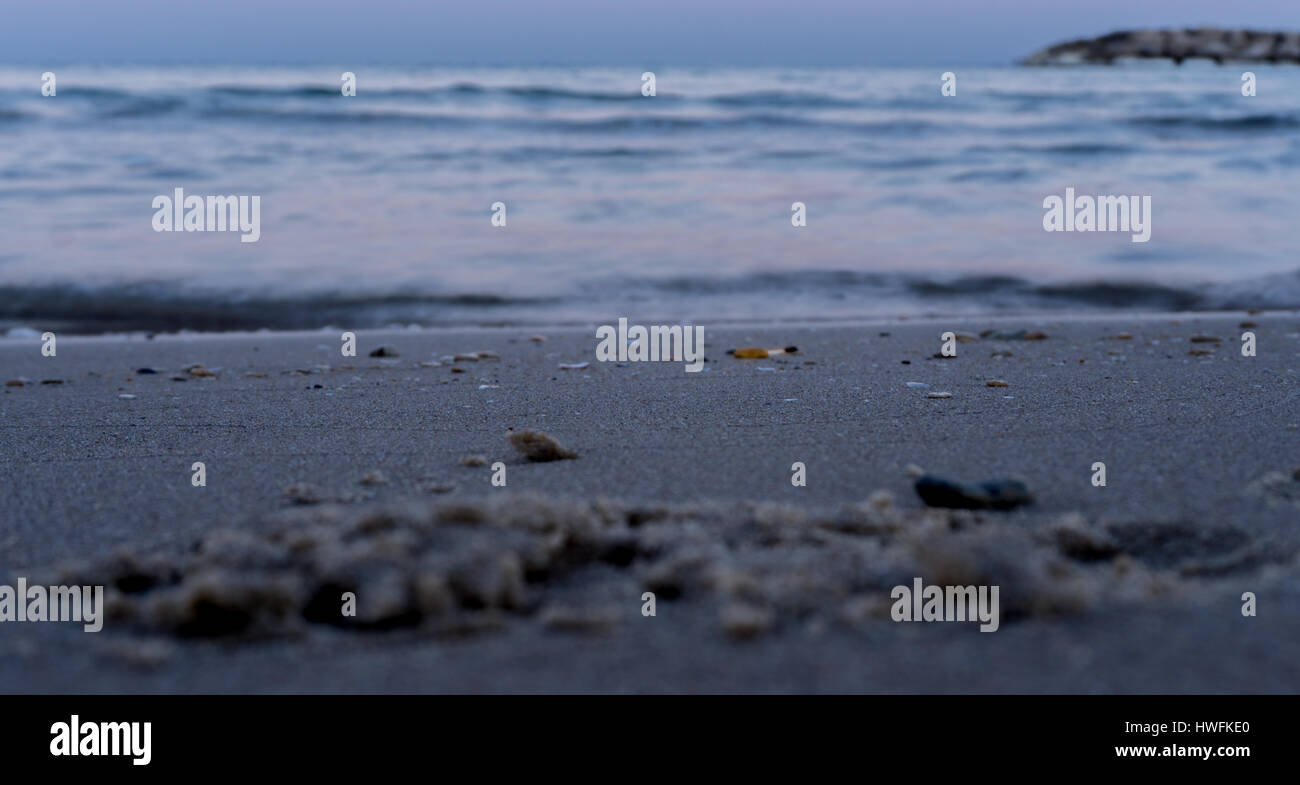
column 500, row 196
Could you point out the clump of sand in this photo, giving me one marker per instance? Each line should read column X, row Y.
column 456, row 567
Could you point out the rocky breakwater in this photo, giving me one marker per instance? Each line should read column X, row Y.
column 1249, row 46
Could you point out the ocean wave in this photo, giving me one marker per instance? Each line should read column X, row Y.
column 1251, row 122
column 143, row 107
column 459, row 89
column 996, row 291
column 164, row 307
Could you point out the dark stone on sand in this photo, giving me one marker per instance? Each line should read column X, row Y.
column 145, row 370
column 999, row 494
column 1018, row 335
column 384, row 351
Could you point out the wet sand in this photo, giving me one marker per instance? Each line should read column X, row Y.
column 681, row 485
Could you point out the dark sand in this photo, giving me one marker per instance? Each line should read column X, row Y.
column 1134, row 587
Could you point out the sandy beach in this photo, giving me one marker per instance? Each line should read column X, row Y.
column 326, row 473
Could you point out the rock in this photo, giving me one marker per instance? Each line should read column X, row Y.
column 1018, row 335
column 127, row 397
column 374, row 477
column 574, row 366
column 1206, row 339
column 749, row 353
column 15, row 383
column 474, row 460
column 938, row 395
column 51, row 381
column 1209, row 43
column 1000, row 494
column 918, row 385
column 145, row 371
column 385, row 351
column 537, row 338
column 430, row 485
column 995, row 383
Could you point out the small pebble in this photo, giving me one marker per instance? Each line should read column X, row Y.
column 474, row 460
column 537, row 338
column 1206, row 339
column 918, row 385
column 573, row 366
column 743, row 621
column 538, row 446
column 938, row 491
column 580, row 620
column 145, row 371
column 303, row 493
column 384, row 351
column 995, row 383
column 938, row 395
column 1018, row 335
column 374, row 477
column 126, row 396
